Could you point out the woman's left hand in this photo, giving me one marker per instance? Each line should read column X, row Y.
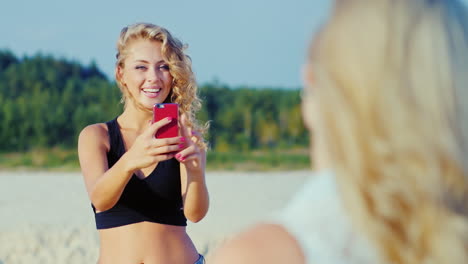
column 192, row 156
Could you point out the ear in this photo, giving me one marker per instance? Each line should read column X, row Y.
column 119, row 74
column 308, row 79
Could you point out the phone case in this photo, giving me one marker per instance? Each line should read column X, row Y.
column 161, row 111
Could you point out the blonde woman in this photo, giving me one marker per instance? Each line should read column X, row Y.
column 386, row 98
column 143, row 189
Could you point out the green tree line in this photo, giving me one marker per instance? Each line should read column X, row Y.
column 45, row 102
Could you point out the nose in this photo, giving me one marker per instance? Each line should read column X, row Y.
column 152, row 75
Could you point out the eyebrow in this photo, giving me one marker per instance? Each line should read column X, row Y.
column 145, row 61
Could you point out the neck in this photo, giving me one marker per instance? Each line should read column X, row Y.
column 318, row 155
column 135, row 118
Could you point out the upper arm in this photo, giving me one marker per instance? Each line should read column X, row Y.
column 93, row 145
column 264, row 243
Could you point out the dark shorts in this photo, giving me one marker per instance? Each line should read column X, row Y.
column 200, row 260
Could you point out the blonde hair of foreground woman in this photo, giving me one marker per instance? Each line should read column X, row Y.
column 392, row 93
column 386, row 98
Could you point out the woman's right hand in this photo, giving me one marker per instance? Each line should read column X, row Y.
column 148, row 150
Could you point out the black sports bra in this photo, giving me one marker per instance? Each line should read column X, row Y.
column 157, row 198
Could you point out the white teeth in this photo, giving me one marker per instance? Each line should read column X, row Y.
column 152, row 90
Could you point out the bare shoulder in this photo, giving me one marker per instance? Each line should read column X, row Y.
column 99, row 129
column 263, row 243
column 93, row 144
column 92, row 134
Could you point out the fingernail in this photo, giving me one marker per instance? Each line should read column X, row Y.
column 194, row 133
column 178, row 156
column 181, row 146
column 182, row 159
column 182, row 139
column 169, row 118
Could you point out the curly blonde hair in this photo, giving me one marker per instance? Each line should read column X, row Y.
column 184, row 88
column 392, row 89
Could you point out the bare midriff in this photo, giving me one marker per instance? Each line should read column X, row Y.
column 147, row 243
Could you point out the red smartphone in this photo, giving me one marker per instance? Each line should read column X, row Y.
column 161, row 111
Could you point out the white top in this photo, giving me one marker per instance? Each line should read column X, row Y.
column 317, row 219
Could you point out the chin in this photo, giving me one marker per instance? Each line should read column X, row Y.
column 150, row 103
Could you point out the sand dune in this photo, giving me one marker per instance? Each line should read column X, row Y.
column 46, row 217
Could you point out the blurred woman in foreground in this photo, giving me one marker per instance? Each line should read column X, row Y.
column 385, row 100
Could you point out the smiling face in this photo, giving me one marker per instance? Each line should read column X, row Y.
column 145, row 74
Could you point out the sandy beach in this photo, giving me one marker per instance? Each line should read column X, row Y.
column 46, row 217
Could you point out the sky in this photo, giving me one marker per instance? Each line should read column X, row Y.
column 253, row 43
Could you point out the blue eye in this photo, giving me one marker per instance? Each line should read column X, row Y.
column 164, row 67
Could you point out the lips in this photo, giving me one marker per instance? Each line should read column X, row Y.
column 151, row 92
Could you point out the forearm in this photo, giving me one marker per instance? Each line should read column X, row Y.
column 196, row 200
column 109, row 187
